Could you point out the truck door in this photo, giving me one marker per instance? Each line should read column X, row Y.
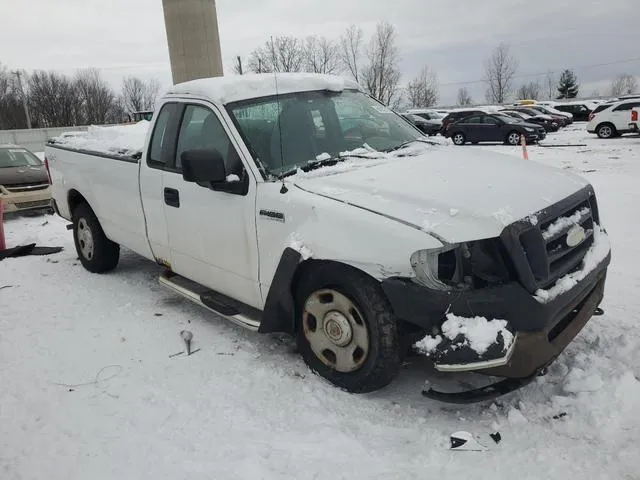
column 159, row 154
column 212, row 234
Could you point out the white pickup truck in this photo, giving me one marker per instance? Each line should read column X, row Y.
column 299, row 204
column 634, row 124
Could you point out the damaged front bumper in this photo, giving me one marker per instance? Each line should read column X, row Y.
column 541, row 330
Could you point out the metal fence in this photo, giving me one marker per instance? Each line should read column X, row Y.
column 36, row 138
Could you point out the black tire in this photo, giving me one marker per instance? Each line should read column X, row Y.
column 509, row 139
column 606, row 130
column 104, row 254
column 459, row 138
column 381, row 363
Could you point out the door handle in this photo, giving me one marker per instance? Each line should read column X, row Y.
column 172, row 197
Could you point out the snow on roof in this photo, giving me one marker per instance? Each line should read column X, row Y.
column 229, row 89
column 127, row 140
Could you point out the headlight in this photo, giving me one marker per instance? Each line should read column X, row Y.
column 529, row 129
column 462, row 266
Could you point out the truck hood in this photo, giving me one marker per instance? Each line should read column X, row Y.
column 451, row 193
column 23, row 175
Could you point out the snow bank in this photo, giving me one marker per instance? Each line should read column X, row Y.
column 595, row 255
column 114, row 140
column 563, row 223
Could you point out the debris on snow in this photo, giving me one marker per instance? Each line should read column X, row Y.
column 496, row 437
column 465, row 441
column 594, row 256
column 562, row 223
column 297, row 244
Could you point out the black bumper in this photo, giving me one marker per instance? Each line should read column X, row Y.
column 543, row 329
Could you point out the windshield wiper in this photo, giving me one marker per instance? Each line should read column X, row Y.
column 313, row 164
column 406, row 144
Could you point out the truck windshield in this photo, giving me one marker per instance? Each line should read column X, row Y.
column 17, row 157
column 296, row 129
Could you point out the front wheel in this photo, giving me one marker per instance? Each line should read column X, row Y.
column 97, row 253
column 346, row 330
column 606, row 130
column 513, row 138
column 458, row 138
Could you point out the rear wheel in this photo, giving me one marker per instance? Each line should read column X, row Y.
column 346, row 330
column 606, row 130
column 459, row 138
column 97, row 253
column 513, row 138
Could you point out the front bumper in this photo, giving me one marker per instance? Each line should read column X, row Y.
column 543, row 330
column 25, row 200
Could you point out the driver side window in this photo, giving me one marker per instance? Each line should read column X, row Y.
column 201, row 130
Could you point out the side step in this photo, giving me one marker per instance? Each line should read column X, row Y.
column 234, row 311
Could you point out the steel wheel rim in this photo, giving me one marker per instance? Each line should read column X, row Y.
column 335, row 330
column 605, row 131
column 457, row 139
column 85, row 239
column 514, row 138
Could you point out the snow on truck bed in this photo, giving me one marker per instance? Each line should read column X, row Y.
column 127, row 140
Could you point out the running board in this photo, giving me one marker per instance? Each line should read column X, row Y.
column 234, row 311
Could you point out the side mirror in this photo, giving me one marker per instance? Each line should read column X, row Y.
column 203, row 166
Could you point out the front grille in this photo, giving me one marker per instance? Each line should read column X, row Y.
column 26, row 187
column 39, row 203
column 550, row 246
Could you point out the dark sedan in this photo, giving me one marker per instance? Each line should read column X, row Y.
column 548, row 125
column 494, row 127
column 428, row 127
column 530, row 110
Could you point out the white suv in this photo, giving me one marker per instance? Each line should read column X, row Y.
column 612, row 120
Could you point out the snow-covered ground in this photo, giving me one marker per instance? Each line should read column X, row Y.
column 88, row 389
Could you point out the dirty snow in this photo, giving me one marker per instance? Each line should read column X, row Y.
column 563, row 223
column 479, row 332
column 246, row 407
column 597, row 252
column 119, row 140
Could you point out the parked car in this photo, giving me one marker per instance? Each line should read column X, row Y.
column 634, row 124
column 460, row 113
column 428, row 127
column 548, row 123
column 427, row 113
column 612, row 119
column 494, row 127
column 273, row 229
column 579, row 110
column 24, row 182
column 546, row 110
column 561, row 120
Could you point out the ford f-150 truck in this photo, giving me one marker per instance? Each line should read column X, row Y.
column 297, row 203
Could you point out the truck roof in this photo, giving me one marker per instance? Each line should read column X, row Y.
column 223, row 90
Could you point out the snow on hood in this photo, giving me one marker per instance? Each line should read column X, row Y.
column 452, row 193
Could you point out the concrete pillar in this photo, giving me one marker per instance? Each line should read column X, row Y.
column 194, row 42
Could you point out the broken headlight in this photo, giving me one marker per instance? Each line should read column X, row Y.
column 462, row 266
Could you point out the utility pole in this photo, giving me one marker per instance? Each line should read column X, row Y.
column 239, row 64
column 18, row 74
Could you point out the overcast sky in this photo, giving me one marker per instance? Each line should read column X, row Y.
column 123, row 37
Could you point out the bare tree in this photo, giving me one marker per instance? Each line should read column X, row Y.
column 320, row 55
column 624, row 84
column 54, row 100
column 422, row 91
column 12, row 112
column 237, row 66
column 499, row 71
column 96, row 96
column 282, row 54
column 381, row 75
column 550, row 84
column 351, row 50
column 463, row 97
column 529, row 91
column 138, row 95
